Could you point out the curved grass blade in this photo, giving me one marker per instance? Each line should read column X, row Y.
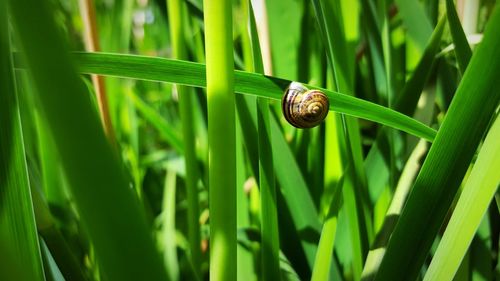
column 193, row 74
column 443, row 170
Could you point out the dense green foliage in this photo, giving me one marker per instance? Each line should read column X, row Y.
column 199, row 175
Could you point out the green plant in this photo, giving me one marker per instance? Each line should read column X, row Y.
column 209, row 176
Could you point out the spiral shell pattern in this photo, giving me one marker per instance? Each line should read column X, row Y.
column 304, row 108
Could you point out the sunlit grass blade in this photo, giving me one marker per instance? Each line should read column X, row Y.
column 330, row 23
column 168, row 227
column 403, row 188
column 108, row 210
column 221, row 138
column 465, row 123
column 470, row 209
column 17, row 221
column 324, row 255
column 176, row 11
column 192, row 74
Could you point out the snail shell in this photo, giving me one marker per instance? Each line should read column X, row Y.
column 304, row 108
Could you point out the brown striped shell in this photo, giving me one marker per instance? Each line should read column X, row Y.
column 304, row 108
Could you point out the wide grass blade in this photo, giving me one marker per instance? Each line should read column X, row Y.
column 465, row 123
column 17, row 222
column 108, row 209
column 470, row 209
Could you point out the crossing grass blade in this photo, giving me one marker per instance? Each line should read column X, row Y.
column 192, row 74
column 472, row 108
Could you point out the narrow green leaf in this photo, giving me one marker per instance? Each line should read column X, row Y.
column 295, row 192
column 176, row 12
column 169, row 227
column 270, row 245
column 462, row 48
column 155, row 119
column 465, row 123
column 324, row 255
column 192, row 74
column 330, row 23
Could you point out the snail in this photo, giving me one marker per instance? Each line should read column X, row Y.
column 304, row 108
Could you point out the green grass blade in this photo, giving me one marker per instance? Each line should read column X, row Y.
column 285, row 15
column 470, row 209
column 245, row 270
column 416, row 21
column 192, row 74
column 403, row 187
column 330, row 23
column 176, row 12
column 294, row 190
column 472, row 107
column 221, row 139
column 124, row 247
column 324, row 256
column 462, row 48
column 377, row 170
column 406, row 102
column 155, row 119
column 270, row 245
column 17, row 221
column 168, row 226
column 269, row 216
